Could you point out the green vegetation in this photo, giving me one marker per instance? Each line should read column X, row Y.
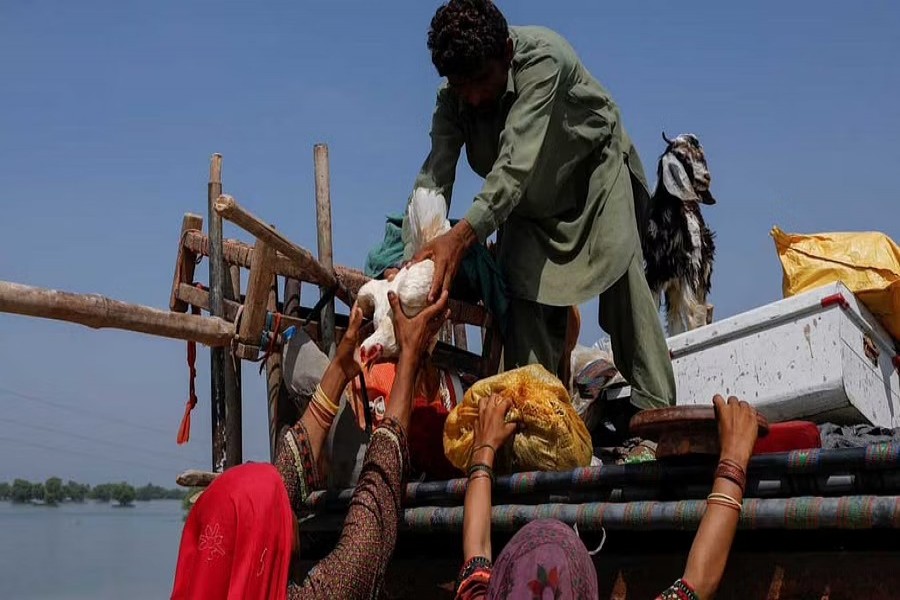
column 124, row 494
column 155, row 492
column 53, row 492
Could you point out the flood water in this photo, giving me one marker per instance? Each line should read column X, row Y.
column 89, row 551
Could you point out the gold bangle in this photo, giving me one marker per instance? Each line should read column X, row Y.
column 723, row 503
column 322, row 399
column 725, row 500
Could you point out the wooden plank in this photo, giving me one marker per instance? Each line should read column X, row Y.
column 93, row 310
column 228, row 208
column 324, row 237
column 241, row 254
column 185, row 261
column 253, row 318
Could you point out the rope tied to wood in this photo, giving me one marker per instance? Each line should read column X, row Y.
column 184, row 430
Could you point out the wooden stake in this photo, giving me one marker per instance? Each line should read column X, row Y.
column 291, row 296
column 228, row 208
column 185, row 261
column 99, row 312
column 234, row 403
column 216, row 308
column 254, row 316
column 324, row 236
column 274, row 384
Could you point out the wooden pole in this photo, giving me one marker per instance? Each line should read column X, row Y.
column 253, row 319
column 324, row 237
column 218, row 363
column 274, row 385
column 234, row 404
column 291, row 296
column 228, row 208
column 100, row 312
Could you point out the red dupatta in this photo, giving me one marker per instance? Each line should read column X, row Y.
column 238, row 539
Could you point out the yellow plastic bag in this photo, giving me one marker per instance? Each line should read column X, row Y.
column 866, row 262
column 551, row 436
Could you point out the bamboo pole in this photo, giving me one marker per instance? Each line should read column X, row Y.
column 228, row 208
column 98, row 312
column 254, row 316
column 324, row 237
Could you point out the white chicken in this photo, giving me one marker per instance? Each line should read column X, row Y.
column 427, row 214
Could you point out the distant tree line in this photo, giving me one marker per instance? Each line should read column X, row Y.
column 54, row 491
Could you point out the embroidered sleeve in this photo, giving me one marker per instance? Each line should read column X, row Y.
column 474, row 577
column 680, row 590
column 297, row 466
column 357, row 566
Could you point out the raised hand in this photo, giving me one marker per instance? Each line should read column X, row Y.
column 414, row 335
column 345, row 354
column 738, row 428
column 491, row 428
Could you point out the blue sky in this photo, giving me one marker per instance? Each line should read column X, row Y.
column 109, row 112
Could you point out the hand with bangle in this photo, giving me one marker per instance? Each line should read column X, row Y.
column 491, row 432
column 738, row 428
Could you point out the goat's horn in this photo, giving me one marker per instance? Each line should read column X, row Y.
column 665, row 138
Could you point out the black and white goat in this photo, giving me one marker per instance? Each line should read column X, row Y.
column 678, row 246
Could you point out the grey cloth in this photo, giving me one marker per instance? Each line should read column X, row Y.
column 304, row 366
column 855, row 436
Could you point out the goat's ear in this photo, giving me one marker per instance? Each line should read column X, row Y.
column 675, row 178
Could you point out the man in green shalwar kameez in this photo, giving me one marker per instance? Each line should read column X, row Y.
column 563, row 187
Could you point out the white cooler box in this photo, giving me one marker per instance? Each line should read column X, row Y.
column 818, row 356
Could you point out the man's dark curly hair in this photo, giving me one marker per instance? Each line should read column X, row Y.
column 465, row 34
